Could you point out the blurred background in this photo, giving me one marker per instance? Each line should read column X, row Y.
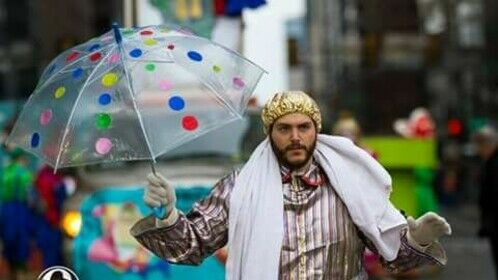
column 411, row 81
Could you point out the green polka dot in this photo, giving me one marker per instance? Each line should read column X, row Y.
column 216, row 68
column 127, row 32
column 150, row 67
column 103, row 121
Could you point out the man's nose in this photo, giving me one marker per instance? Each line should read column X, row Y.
column 295, row 134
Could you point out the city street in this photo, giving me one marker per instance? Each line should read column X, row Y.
column 468, row 256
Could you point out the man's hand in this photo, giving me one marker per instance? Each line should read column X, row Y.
column 427, row 229
column 159, row 192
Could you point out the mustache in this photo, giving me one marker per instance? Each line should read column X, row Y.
column 295, row 147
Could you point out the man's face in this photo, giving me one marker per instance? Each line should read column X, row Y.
column 293, row 139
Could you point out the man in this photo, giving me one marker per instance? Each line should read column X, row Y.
column 486, row 140
column 304, row 206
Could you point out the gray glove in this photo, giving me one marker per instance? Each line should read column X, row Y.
column 160, row 193
column 427, row 229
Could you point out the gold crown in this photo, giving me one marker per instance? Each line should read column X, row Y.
column 288, row 102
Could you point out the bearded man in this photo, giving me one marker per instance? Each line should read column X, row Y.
column 304, row 206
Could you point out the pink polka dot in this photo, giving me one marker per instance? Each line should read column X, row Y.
column 238, row 83
column 165, row 85
column 45, row 117
column 103, row 146
column 113, row 58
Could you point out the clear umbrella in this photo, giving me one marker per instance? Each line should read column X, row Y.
column 133, row 94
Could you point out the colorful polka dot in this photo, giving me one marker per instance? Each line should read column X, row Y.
column 195, row 56
column 45, row 117
column 150, row 67
column 109, row 79
column 103, row 146
column 150, row 42
column 176, row 103
column 113, row 58
column 95, row 56
column 165, row 85
column 185, row 31
column 72, row 56
column 35, row 140
column 51, row 69
column 94, row 47
column 103, row 121
column 77, row 73
column 136, row 53
column 216, row 68
column 190, row 123
column 238, row 83
column 171, row 47
column 146, row 32
column 105, row 99
column 127, row 32
column 59, row 92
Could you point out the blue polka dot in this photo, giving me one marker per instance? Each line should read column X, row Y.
column 136, row 53
column 77, row 72
column 104, row 99
column 195, row 56
column 94, row 47
column 35, row 140
column 176, row 103
column 51, row 69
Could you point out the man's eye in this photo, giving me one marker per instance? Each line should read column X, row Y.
column 283, row 129
column 304, row 127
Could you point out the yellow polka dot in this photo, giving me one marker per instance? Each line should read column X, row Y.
column 109, row 79
column 59, row 92
column 150, row 42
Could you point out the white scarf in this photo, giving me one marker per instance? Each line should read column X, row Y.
column 256, row 205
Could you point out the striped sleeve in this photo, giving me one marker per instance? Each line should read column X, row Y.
column 194, row 236
column 410, row 257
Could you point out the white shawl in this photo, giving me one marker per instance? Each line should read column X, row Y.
column 256, row 205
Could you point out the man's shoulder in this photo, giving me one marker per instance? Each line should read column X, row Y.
column 229, row 178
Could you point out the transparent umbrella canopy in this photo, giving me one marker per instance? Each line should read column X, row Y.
column 133, row 94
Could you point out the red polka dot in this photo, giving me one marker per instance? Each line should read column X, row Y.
column 72, row 56
column 190, row 123
column 95, row 56
column 146, row 32
column 171, row 47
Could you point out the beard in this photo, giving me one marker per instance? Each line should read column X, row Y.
column 282, row 158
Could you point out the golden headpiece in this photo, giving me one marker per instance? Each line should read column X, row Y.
column 288, row 102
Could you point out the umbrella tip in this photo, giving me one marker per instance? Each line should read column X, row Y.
column 117, row 33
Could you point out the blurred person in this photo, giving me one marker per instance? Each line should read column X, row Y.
column 347, row 126
column 50, row 188
column 305, row 205
column 15, row 215
column 486, row 141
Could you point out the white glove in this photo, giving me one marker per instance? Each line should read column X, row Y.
column 159, row 192
column 427, row 229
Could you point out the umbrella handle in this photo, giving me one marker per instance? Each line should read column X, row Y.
column 159, row 212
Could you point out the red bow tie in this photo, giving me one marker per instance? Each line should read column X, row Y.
column 311, row 182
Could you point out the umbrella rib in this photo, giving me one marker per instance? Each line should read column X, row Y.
column 130, row 89
column 74, row 109
column 64, row 68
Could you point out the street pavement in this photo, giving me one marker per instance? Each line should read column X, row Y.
column 469, row 257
